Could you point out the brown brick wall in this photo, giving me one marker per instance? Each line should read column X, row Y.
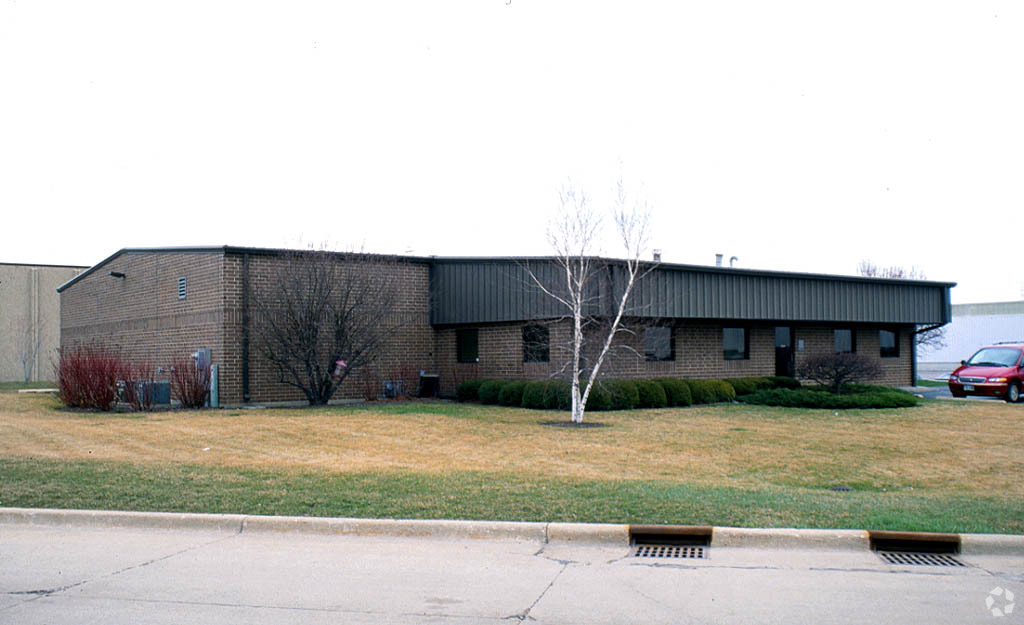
column 409, row 351
column 895, row 371
column 698, row 353
column 141, row 313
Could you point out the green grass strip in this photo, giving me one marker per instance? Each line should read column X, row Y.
column 38, row 483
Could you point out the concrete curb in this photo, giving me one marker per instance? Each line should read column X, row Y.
column 124, row 520
column 556, row 533
column 782, row 538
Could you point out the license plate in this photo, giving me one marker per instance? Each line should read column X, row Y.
column 968, row 387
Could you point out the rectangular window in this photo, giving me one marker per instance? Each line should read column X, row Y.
column 182, row 288
column 889, row 344
column 735, row 344
column 536, row 343
column 659, row 344
column 466, row 342
column 845, row 340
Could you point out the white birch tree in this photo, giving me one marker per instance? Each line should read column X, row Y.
column 574, row 235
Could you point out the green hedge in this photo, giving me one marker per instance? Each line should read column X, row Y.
column 624, row 394
column 652, row 394
column 746, row 386
column 677, row 391
column 600, row 397
column 511, row 394
column 558, row 395
column 700, row 391
column 781, row 381
column 489, row 390
column 854, row 396
column 613, row 394
column 533, row 394
column 722, row 391
column 469, row 390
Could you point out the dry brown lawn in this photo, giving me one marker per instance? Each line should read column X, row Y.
column 970, row 448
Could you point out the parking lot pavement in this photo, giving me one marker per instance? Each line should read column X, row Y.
column 942, row 392
column 111, row 576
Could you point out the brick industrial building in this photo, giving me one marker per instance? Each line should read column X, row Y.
column 468, row 318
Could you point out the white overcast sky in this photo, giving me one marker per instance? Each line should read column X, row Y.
column 800, row 136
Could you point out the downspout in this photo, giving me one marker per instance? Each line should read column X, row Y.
column 245, row 327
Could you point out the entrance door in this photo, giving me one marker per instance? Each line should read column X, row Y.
column 784, row 354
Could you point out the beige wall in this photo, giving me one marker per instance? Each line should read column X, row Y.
column 30, row 316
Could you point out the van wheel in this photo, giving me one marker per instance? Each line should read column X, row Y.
column 1013, row 393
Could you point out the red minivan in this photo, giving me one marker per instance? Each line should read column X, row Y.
column 996, row 370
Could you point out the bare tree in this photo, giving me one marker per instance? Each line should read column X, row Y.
column 28, row 340
column 835, row 370
column 325, row 315
column 933, row 337
column 573, row 235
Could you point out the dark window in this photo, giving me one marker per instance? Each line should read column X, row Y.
column 466, row 345
column 735, row 344
column 845, row 340
column 182, row 288
column 888, row 341
column 659, row 344
column 536, row 344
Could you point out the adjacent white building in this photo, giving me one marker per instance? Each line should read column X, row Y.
column 973, row 326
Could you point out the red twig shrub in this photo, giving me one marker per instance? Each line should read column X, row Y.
column 87, row 376
column 190, row 384
column 138, row 387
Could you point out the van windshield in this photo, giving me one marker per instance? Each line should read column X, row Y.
column 995, row 357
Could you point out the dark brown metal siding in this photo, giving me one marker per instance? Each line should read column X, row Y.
column 494, row 290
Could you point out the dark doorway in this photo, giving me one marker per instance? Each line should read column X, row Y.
column 784, row 354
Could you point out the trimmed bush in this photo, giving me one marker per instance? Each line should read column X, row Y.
column 859, row 396
column 511, row 394
column 651, row 394
column 624, row 394
column 710, row 391
column 558, row 395
column 781, row 381
column 746, row 386
column 677, row 392
column 533, row 394
column 722, row 391
column 600, row 397
column 700, row 391
column 488, row 391
column 469, row 390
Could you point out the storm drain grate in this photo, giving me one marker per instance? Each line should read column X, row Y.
column 670, row 551
column 918, row 558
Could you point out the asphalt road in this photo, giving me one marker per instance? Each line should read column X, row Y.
column 59, row 575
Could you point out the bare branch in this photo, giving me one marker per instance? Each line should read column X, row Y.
column 325, row 315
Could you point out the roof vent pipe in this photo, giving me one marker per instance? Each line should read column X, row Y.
column 733, row 259
column 718, row 260
column 657, row 256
